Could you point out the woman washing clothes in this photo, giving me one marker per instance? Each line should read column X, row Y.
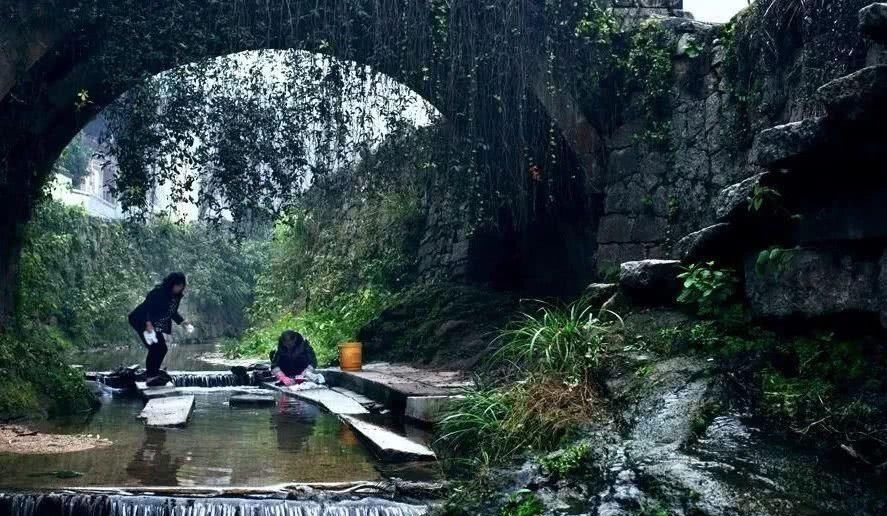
column 294, row 361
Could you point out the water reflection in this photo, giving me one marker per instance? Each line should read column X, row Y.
column 152, row 464
column 181, row 357
column 222, row 446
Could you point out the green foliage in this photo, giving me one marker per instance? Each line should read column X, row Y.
column 567, row 461
column 325, row 326
column 773, row 260
column 74, row 160
column 522, row 503
column 33, row 374
column 554, row 353
column 83, row 275
column 707, row 288
column 649, row 74
column 817, row 386
column 762, row 197
column 327, row 275
column 623, row 69
column 492, row 425
column 567, row 341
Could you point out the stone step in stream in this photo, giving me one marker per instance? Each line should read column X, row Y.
column 387, row 445
column 325, row 397
column 418, row 394
column 168, row 412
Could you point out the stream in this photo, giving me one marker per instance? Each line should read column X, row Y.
column 289, row 442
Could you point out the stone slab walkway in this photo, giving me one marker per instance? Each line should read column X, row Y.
column 420, row 394
column 327, row 398
column 387, row 445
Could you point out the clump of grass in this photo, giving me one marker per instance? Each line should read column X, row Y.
column 567, row 341
column 550, row 359
column 496, row 424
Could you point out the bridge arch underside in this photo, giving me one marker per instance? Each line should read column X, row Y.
column 479, row 69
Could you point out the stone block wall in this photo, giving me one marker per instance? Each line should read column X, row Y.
column 655, row 196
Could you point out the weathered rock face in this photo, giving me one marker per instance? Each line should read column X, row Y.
column 873, row 21
column 783, row 145
column 684, row 450
column 814, row 283
column 654, row 197
column 650, row 281
column 860, row 96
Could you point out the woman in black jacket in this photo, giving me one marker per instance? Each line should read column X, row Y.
column 293, row 357
column 155, row 316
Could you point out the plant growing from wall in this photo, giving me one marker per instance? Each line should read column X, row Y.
column 707, row 287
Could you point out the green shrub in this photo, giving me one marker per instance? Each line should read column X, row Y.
column 567, row 461
column 34, row 377
column 707, row 287
column 83, row 275
column 325, row 326
column 522, row 503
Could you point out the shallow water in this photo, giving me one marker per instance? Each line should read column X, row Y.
column 181, row 357
column 291, row 441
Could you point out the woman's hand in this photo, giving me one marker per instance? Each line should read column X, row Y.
column 189, row 328
column 284, row 379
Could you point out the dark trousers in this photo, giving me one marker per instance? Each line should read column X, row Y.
column 156, row 352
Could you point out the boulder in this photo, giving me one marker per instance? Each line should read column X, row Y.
column 732, row 202
column 784, row 145
column 813, row 283
column 873, row 21
column 650, row 281
column 860, row 96
column 599, row 293
column 713, row 242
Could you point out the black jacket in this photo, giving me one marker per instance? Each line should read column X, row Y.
column 161, row 307
column 293, row 361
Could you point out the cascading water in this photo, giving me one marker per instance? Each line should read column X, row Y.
column 104, row 505
column 208, row 379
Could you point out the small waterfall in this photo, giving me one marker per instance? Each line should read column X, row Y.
column 105, row 505
column 208, row 379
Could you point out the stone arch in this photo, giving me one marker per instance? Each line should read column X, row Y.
column 50, row 61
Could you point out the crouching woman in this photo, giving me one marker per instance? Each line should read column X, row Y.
column 294, row 361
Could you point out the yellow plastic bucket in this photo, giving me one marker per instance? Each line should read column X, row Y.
column 351, row 356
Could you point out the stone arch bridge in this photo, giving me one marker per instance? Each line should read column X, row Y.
column 51, row 50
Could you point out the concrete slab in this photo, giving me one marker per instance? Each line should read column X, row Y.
column 387, row 445
column 392, row 385
column 251, row 400
column 168, row 412
column 428, row 409
column 151, row 393
column 327, row 398
column 360, row 398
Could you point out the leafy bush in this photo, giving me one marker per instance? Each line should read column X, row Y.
column 522, row 503
column 83, row 275
column 325, row 326
column 568, row 341
column 34, row 376
column 707, row 287
column 567, row 461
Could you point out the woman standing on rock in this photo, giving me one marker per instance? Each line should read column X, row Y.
column 155, row 316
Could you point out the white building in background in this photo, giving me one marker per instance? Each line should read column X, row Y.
column 92, row 194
